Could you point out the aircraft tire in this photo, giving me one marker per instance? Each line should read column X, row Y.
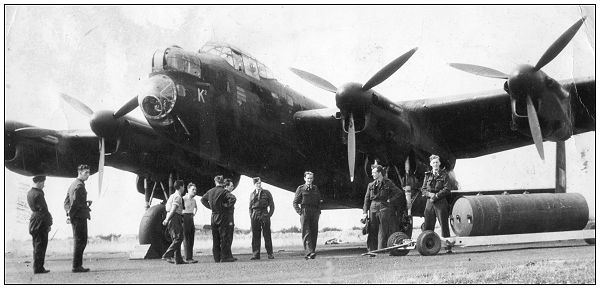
column 397, row 238
column 591, row 225
column 152, row 231
column 429, row 243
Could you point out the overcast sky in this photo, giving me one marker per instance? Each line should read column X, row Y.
column 99, row 55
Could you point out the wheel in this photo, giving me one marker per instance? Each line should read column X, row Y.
column 396, row 239
column 591, row 225
column 152, row 231
column 429, row 243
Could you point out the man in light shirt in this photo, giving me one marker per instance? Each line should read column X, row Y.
column 188, row 222
column 174, row 221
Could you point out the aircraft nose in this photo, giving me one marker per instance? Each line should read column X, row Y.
column 157, row 97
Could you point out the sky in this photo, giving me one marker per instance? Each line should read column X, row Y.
column 100, row 54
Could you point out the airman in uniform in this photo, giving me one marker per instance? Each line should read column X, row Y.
column 220, row 200
column 307, row 204
column 78, row 212
column 436, row 188
column 228, row 208
column 381, row 198
column 261, row 210
column 39, row 223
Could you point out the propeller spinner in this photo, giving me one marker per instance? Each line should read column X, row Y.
column 350, row 97
column 525, row 80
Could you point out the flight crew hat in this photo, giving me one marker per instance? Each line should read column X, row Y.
column 39, row 179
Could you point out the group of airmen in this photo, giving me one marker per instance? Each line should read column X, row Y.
column 384, row 212
column 181, row 208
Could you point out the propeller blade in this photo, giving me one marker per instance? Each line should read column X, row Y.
column 127, row 107
column 534, row 126
column 78, row 105
column 33, row 132
column 561, row 168
column 315, row 80
column 351, row 147
column 101, row 166
column 559, row 44
column 388, row 70
column 479, row 70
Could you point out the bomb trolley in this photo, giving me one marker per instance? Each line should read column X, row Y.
column 429, row 243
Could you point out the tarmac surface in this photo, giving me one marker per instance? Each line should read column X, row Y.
column 341, row 263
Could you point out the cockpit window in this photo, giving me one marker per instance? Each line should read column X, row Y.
column 264, row 71
column 250, row 66
column 239, row 60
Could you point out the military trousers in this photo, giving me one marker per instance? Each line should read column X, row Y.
column 381, row 226
column 309, row 220
column 189, row 231
column 437, row 209
column 80, row 238
column 175, row 228
column 40, row 244
column 259, row 221
column 222, row 234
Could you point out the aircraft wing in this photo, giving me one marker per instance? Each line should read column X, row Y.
column 475, row 125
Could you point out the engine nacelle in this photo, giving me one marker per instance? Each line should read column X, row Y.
column 49, row 154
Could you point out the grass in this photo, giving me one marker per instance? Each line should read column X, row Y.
column 540, row 272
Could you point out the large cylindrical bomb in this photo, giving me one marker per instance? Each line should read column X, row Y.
column 518, row 214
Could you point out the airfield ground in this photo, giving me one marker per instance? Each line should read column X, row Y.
column 539, row 263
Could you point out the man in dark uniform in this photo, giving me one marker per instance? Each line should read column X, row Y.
column 307, row 204
column 380, row 199
column 174, row 223
column 78, row 212
column 261, row 209
column 39, row 223
column 219, row 201
column 436, row 188
column 228, row 209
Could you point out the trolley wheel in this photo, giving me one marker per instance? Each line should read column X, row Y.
column 591, row 225
column 396, row 239
column 429, row 243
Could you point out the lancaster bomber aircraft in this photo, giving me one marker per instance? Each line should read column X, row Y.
column 221, row 111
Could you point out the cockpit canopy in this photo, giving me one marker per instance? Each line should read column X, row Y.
column 238, row 59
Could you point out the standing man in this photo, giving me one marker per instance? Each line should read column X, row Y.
column 218, row 200
column 228, row 208
column 39, row 223
column 380, row 199
column 173, row 221
column 189, row 229
column 436, row 187
column 261, row 210
column 78, row 212
column 307, row 204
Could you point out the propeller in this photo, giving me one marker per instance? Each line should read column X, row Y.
column 77, row 105
column 85, row 110
column 127, row 107
column 534, row 126
column 351, row 147
column 351, row 95
column 101, row 166
column 527, row 78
